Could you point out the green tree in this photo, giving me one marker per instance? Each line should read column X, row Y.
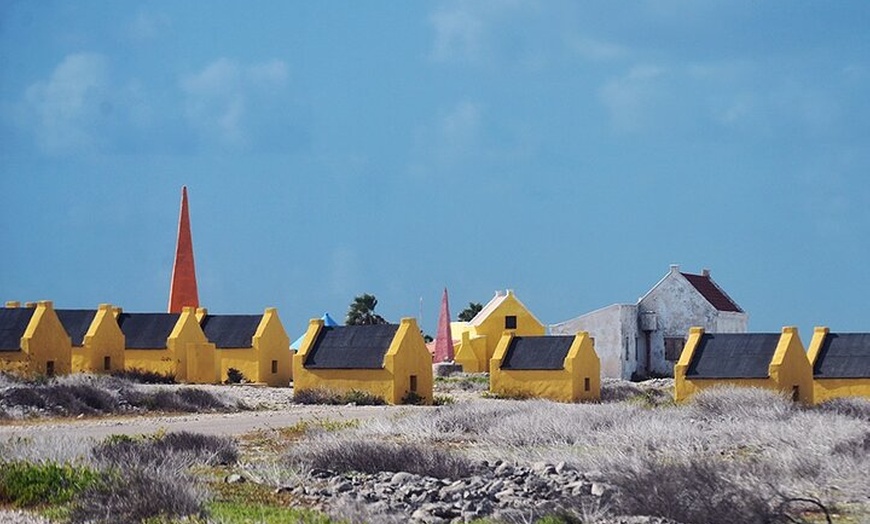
column 362, row 311
column 468, row 313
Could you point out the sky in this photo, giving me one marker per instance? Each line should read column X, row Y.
column 570, row 151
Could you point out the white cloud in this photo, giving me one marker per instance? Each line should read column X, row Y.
column 630, row 98
column 218, row 97
column 458, row 34
column 148, row 25
column 595, row 50
column 459, row 128
column 69, row 105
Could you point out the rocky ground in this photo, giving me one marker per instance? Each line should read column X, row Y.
column 498, row 490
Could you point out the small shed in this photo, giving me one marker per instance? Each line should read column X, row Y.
column 255, row 345
column 387, row 360
column 97, row 341
column 775, row 361
column 841, row 364
column 33, row 341
column 169, row 343
column 560, row 368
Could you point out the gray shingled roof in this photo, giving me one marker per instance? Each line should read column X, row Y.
column 76, row 322
column 537, row 352
column 231, row 331
column 13, row 324
column 351, row 347
column 733, row 355
column 147, row 330
column 844, row 355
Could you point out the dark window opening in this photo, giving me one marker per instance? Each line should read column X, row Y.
column 413, row 383
column 673, row 348
column 274, row 366
column 49, row 368
column 107, row 363
column 510, row 322
column 586, row 386
column 795, row 393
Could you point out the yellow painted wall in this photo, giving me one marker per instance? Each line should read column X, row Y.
column 406, row 356
column 488, row 331
column 45, row 340
column 470, row 353
column 789, row 367
column 188, row 355
column 270, row 343
column 831, row 388
column 563, row 385
column 273, row 344
column 103, row 339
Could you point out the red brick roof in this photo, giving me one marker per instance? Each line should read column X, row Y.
column 710, row 291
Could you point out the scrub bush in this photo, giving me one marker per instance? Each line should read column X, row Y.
column 143, row 376
column 854, row 407
column 336, row 398
column 138, row 494
column 373, row 457
column 122, row 450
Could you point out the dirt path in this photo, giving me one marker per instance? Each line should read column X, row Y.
column 211, row 424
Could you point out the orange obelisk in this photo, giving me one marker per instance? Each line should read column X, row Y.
column 182, row 291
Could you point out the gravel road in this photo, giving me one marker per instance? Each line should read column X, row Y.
column 274, row 409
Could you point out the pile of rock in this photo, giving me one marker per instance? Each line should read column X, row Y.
column 498, row 489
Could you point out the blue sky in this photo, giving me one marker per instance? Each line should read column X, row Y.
column 570, row 151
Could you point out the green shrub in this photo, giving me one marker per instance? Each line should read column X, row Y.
column 143, row 376
column 413, row 398
column 336, row 398
column 443, row 400
column 28, row 484
column 234, row 376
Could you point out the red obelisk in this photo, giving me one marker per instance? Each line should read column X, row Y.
column 182, row 291
column 443, row 338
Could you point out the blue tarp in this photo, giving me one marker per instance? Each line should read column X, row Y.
column 328, row 321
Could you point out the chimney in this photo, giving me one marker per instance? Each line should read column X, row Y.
column 705, row 272
column 675, row 268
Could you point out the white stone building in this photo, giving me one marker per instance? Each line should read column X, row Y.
column 646, row 339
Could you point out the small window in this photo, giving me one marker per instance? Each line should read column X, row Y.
column 107, row 363
column 673, row 348
column 795, row 393
column 586, row 386
column 274, row 366
column 510, row 322
column 413, row 383
column 49, row 368
column 626, row 347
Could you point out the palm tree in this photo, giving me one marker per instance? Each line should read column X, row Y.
column 470, row 312
column 362, row 311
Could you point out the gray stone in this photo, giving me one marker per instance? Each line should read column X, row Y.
column 234, row 478
column 403, row 478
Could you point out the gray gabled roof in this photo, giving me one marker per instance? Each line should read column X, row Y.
column 231, row 331
column 147, row 330
column 76, row 322
column 843, row 355
column 351, row 347
column 13, row 324
column 537, row 352
column 733, row 355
